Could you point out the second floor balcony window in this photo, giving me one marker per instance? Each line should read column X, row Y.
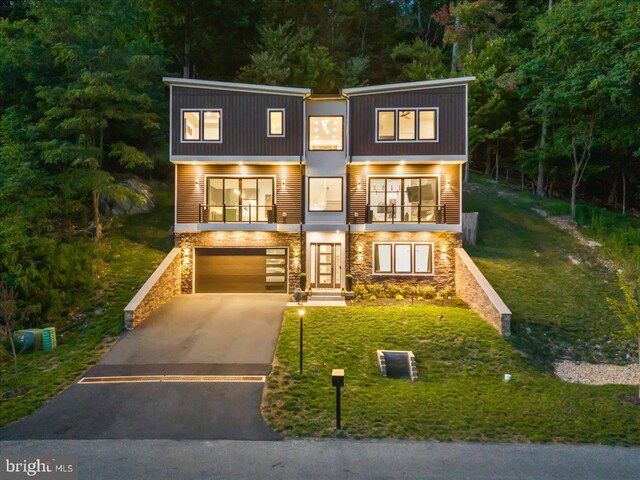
column 240, row 200
column 409, row 200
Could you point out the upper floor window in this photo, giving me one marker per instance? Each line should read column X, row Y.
column 240, row 199
column 202, row 125
column 276, row 122
column 325, row 133
column 407, row 125
column 325, row 194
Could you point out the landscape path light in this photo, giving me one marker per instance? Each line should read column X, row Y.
column 337, row 380
column 301, row 313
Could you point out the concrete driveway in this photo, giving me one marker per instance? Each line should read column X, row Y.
column 190, row 335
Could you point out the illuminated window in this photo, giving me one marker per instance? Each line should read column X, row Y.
column 386, row 124
column 191, row 126
column 427, row 125
column 403, row 258
column 406, row 125
column 325, row 194
column 212, row 121
column 276, row 123
column 202, row 126
column 325, row 133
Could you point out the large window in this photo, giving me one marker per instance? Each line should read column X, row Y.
column 325, row 133
column 403, row 258
column 409, row 199
column 325, row 194
column 407, row 125
column 202, row 126
column 276, row 122
column 240, row 199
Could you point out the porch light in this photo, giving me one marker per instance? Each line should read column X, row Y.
column 197, row 183
column 359, row 183
column 284, row 183
column 448, row 183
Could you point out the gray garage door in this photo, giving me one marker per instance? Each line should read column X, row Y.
column 240, row 270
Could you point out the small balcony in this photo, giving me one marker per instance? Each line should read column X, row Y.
column 238, row 213
column 411, row 214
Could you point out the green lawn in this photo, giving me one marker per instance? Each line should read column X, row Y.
column 461, row 394
column 559, row 307
column 136, row 246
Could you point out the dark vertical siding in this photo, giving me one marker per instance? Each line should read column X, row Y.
column 449, row 196
column 244, row 122
column 190, row 196
column 451, row 104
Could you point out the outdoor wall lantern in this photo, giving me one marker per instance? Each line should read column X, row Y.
column 301, row 315
column 197, row 183
column 337, row 380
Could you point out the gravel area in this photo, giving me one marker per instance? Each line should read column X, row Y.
column 597, row 374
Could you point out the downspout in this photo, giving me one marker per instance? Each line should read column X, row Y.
column 348, row 182
column 303, row 246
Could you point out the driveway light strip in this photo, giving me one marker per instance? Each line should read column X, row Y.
column 176, row 378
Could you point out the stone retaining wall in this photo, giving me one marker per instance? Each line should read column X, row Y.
column 161, row 286
column 477, row 292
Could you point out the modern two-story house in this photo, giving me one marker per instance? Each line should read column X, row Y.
column 275, row 181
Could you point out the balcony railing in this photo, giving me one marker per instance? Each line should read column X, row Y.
column 406, row 214
column 238, row 213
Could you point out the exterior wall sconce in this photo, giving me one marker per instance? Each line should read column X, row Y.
column 448, row 183
column 284, row 183
column 359, row 183
column 402, row 162
column 284, row 217
column 197, row 183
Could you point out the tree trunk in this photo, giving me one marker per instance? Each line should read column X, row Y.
column 541, row 171
column 186, row 61
column 497, row 161
column 95, row 197
column 487, row 166
column 543, row 141
column 613, row 191
column 455, row 50
column 15, row 357
column 574, row 188
column 624, row 194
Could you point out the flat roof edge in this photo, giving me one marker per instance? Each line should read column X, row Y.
column 243, row 87
column 398, row 87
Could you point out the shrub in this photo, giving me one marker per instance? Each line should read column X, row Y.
column 420, row 299
column 359, row 290
column 408, row 290
column 358, row 298
column 399, row 297
column 447, row 292
column 373, row 298
column 376, row 289
column 426, row 291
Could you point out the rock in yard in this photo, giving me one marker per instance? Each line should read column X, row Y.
column 129, row 206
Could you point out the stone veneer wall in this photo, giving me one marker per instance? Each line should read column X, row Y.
column 163, row 284
column 444, row 244
column 477, row 292
column 187, row 240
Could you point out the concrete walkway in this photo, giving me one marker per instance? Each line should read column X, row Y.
column 337, row 459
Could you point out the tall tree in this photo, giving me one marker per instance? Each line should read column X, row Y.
column 108, row 78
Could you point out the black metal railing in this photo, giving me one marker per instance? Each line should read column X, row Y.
column 406, row 214
column 238, row 213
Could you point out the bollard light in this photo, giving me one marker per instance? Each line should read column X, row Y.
column 337, row 380
column 301, row 314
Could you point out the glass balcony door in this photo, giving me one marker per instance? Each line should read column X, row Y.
column 246, row 199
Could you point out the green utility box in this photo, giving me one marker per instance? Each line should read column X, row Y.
column 49, row 341
column 28, row 340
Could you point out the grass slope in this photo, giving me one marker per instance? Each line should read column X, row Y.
column 559, row 306
column 461, row 394
column 133, row 250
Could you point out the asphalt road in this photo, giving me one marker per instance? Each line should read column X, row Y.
column 337, row 459
column 190, row 335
